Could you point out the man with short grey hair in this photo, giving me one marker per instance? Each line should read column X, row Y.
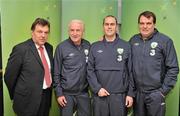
column 70, row 81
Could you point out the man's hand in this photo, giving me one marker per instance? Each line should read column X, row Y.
column 102, row 92
column 62, row 101
column 129, row 101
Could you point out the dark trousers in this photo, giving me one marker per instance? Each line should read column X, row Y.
column 113, row 105
column 45, row 103
column 79, row 103
column 149, row 104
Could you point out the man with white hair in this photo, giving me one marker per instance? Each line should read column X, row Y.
column 70, row 63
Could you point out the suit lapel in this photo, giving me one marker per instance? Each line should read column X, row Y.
column 35, row 52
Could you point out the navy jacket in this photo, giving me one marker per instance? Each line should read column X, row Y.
column 109, row 67
column 70, row 64
column 155, row 64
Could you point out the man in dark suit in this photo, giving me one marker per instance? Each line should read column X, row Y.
column 28, row 72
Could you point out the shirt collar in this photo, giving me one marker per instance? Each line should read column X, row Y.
column 37, row 46
column 115, row 40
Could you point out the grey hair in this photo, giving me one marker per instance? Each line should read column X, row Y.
column 77, row 21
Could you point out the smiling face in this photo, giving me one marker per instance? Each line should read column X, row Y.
column 40, row 34
column 76, row 30
column 146, row 26
column 110, row 27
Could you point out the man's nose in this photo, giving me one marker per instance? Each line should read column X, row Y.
column 43, row 34
column 145, row 25
column 109, row 26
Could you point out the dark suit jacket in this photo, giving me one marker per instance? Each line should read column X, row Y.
column 24, row 77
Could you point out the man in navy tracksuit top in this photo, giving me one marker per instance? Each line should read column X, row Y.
column 155, row 67
column 70, row 81
column 109, row 68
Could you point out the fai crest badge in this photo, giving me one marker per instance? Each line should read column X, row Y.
column 86, row 52
column 154, row 45
column 120, row 50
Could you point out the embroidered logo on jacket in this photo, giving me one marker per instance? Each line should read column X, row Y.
column 71, row 54
column 120, row 52
column 153, row 46
column 136, row 44
column 99, row 51
column 86, row 52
